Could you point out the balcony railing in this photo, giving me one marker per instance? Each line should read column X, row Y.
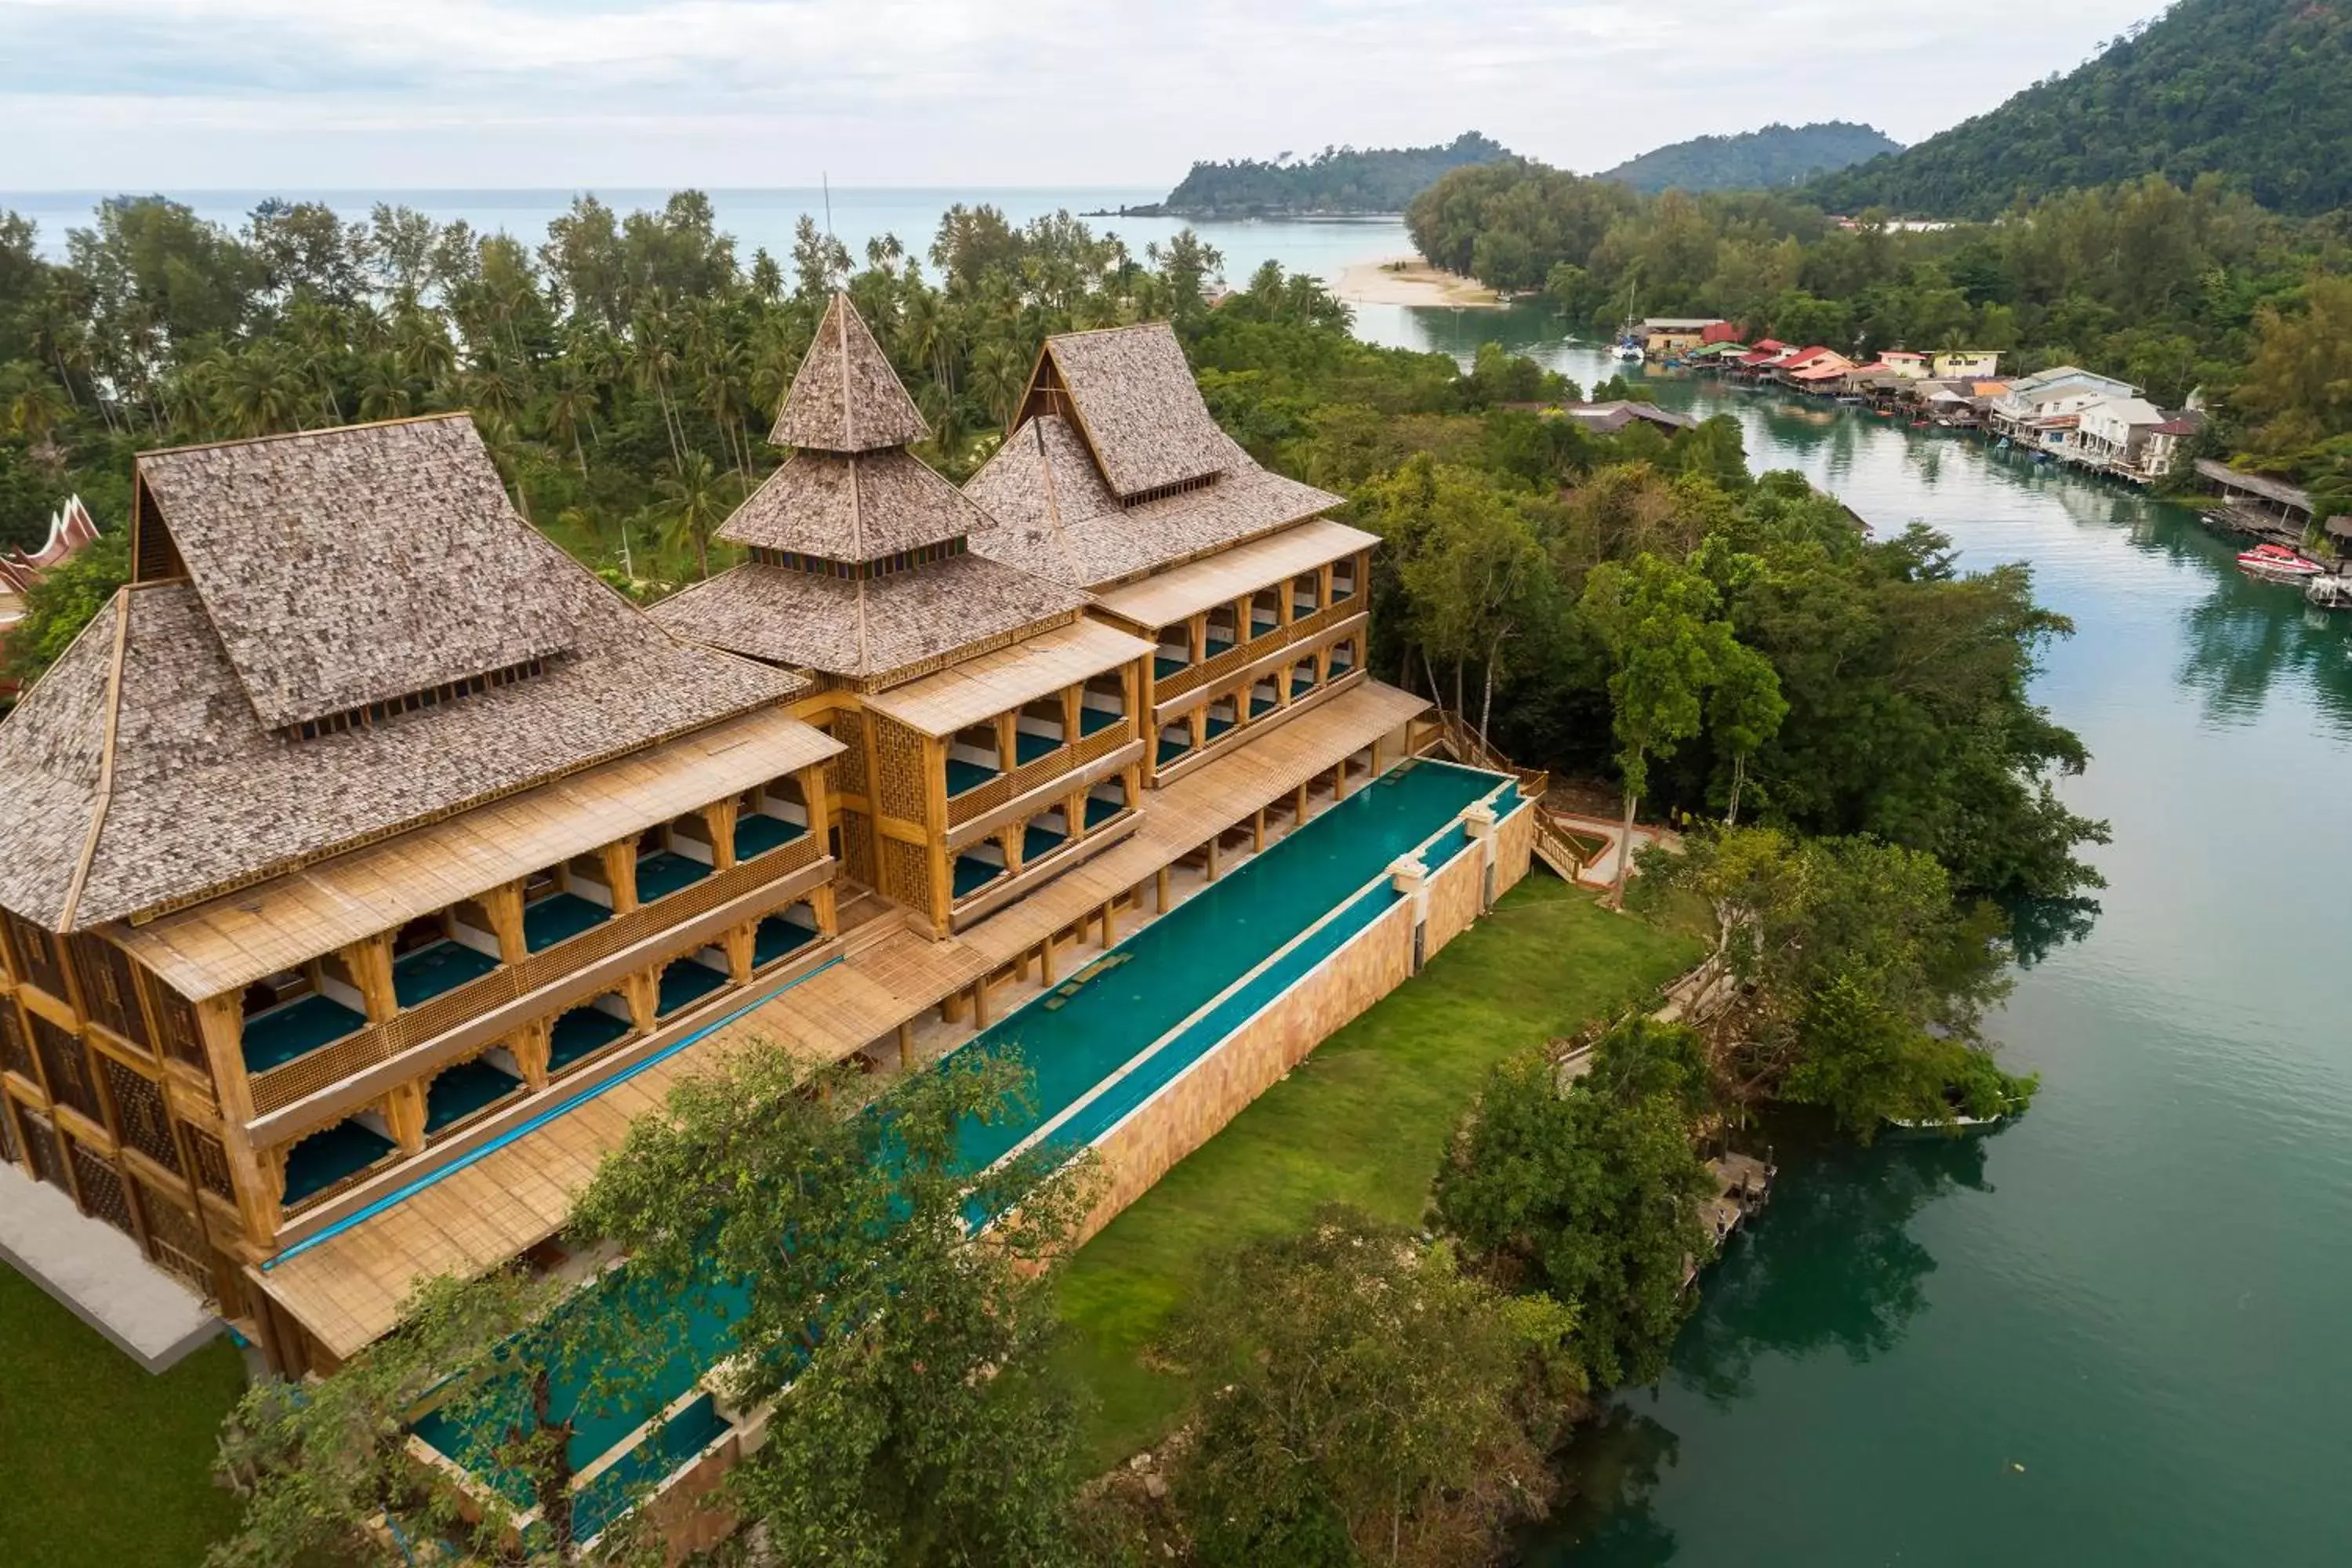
column 1240, row 655
column 987, row 798
column 306, row 1075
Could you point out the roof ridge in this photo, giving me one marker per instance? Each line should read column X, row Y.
column 465, row 414
column 104, row 793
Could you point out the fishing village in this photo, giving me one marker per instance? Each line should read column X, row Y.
column 2065, row 416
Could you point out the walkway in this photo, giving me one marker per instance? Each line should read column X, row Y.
column 97, row 1273
column 1600, row 871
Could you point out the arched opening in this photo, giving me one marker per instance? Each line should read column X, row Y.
column 581, row 1032
column 337, row 1157
column 769, row 817
column 461, row 1093
column 973, row 758
column 687, row 979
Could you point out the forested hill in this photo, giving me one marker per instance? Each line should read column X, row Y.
column 1754, row 160
column 2257, row 90
column 1335, row 180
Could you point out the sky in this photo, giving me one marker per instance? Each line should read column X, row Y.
column 181, row 95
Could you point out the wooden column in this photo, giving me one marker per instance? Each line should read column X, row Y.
column 1045, row 963
column 719, row 821
column 1007, row 748
column 503, row 904
column 824, row 905
column 1159, row 888
column 1009, row 841
column 1110, row 928
column 1213, row 855
column 369, row 964
column 1301, row 809
column 1197, row 629
column 530, row 1046
column 736, row 942
column 814, row 801
column 906, row 1046
column 1257, row 831
column 621, row 874
column 403, row 1114
column 642, row 992
column 980, row 1002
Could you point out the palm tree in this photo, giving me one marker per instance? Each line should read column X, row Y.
column 697, row 501
column 260, row 394
column 998, row 376
column 571, row 405
column 383, row 391
column 37, row 407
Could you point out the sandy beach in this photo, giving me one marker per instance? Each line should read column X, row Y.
column 1408, row 280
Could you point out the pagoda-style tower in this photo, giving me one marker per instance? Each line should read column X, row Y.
column 990, row 726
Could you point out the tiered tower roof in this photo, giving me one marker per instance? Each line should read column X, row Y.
column 858, row 563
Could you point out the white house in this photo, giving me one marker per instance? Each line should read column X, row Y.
column 2043, row 408
column 2113, row 432
column 1964, row 365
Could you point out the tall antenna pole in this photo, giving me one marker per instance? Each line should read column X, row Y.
column 827, row 178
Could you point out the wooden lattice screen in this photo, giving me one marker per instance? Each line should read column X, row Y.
column 10, row 1152
column 41, row 1142
column 103, row 1193
column 109, row 992
column 16, row 1044
column 174, row 1240
column 857, row 846
column 211, row 1163
column 175, row 1015
column 139, row 1118
column 67, row 1065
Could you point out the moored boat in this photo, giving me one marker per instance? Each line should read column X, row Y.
column 2278, row 564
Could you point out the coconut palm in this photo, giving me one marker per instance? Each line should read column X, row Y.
column 260, row 394
column 697, row 501
column 571, row 405
column 384, row 390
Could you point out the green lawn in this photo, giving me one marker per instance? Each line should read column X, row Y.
column 1363, row 1121
column 102, row 1466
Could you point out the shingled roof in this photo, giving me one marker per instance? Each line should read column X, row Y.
column 344, row 567
column 857, row 508
column 1137, row 407
column 1054, row 514
column 845, row 397
column 864, row 629
column 143, row 774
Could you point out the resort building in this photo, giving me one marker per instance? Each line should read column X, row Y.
column 377, row 864
column 360, row 829
column 1665, row 335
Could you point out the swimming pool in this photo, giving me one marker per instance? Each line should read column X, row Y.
column 1099, row 1046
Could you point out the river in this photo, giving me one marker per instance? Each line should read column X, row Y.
column 2115, row 1331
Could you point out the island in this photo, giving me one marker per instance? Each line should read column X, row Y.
column 1339, row 182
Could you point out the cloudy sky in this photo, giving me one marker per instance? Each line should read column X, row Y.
column 234, row 94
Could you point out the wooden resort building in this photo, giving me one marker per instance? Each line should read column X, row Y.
column 376, row 865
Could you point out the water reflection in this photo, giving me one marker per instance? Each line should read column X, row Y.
column 1619, row 1463
column 1831, row 1265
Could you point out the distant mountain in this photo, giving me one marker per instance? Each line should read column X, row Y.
column 2258, row 90
column 1775, row 156
column 1335, row 180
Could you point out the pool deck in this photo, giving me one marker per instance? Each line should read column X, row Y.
column 347, row 1289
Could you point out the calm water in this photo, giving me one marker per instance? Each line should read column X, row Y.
column 2119, row 1331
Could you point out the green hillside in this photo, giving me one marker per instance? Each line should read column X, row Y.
column 1335, row 180
column 1754, row 160
column 2257, row 90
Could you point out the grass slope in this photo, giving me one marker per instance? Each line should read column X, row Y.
column 101, row 1465
column 1363, row 1121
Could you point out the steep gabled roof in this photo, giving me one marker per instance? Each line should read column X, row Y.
column 845, row 397
column 141, row 774
column 1054, row 515
column 854, row 508
column 1137, row 406
column 345, row 567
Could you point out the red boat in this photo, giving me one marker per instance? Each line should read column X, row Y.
column 2278, row 564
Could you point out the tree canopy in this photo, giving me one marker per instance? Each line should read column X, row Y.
column 1753, row 160
column 2252, row 90
column 1335, row 180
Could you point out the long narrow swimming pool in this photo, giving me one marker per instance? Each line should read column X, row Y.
column 1097, row 1046
column 1142, row 992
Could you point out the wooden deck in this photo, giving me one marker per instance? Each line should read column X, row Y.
column 349, row 1288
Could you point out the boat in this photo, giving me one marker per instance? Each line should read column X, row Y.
column 2330, row 592
column 2279, row 564
column 1628, row 346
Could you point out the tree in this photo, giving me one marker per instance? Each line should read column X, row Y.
column 1372, row 1402
column 822, row 1245
column 1475, row 576
column 1590, row 1194
column 1862, row 983
column 1743, row 711
column 699, row 504
column 327, row 1472
column 1659, row 622
column 919, row 1413
column 64, row 600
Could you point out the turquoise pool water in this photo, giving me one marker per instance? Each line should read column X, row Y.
column 1082, row 1033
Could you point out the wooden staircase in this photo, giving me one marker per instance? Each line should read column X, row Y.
column 1447, row 733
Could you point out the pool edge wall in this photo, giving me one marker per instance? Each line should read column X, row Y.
column 1196, row 1104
